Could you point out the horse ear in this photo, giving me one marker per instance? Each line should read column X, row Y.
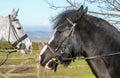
column 79, row 12
column 14, row 13
column 17, row 11
column 80, row 9
column 85, row 10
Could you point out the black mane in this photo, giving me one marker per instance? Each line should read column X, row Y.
column 104, row 26
column 60, row 19
column 98, row 22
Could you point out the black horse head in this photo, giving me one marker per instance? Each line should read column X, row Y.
column 65, row 42
column 79, row 34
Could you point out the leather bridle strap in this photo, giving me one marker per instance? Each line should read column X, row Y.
column 55, row 58
column 51, row 49
column 13, row 29
column 69, row 34
column 56, row 50
column 19, row 40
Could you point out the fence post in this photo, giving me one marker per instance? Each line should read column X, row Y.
column 38, row 67
column 40, row 70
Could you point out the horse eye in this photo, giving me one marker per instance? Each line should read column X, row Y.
column 19, row 28
column 59, row 31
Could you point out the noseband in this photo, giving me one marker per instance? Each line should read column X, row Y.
column 56, row 57
column 18, row 39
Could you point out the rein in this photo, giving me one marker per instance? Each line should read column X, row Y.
column 94, row 57
column 7, row 55
column 6, row 48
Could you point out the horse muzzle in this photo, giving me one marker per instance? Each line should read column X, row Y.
column 51, row 64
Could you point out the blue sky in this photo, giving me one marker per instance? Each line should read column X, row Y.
column 32, row 12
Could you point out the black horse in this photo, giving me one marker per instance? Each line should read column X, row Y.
column 79, row 34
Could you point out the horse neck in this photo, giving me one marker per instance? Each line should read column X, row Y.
column 6, row 33
column 4, row 28
column 110, row 30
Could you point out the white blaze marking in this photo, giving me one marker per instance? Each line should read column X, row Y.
column 52, row 38
column 45, row 47
column 43, row 50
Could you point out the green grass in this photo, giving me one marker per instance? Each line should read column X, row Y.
column 77, row 69
column 23, row 70
column 1, row 77
column 5, row 45
column 4, row 70
column 13, row 61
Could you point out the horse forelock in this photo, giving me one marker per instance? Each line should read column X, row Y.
column 60, row 19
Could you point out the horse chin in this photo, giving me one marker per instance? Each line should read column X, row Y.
column 51, row 65
column 24, row 51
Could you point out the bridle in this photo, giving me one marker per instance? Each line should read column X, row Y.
column 18, row 39
column 57, row 60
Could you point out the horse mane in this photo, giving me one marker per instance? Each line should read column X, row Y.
column 98, row 22
column 60, row 19
column 105, row 26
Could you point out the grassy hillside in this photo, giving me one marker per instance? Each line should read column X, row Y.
column 27, row 66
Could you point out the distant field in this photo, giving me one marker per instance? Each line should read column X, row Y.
column 26, row 66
